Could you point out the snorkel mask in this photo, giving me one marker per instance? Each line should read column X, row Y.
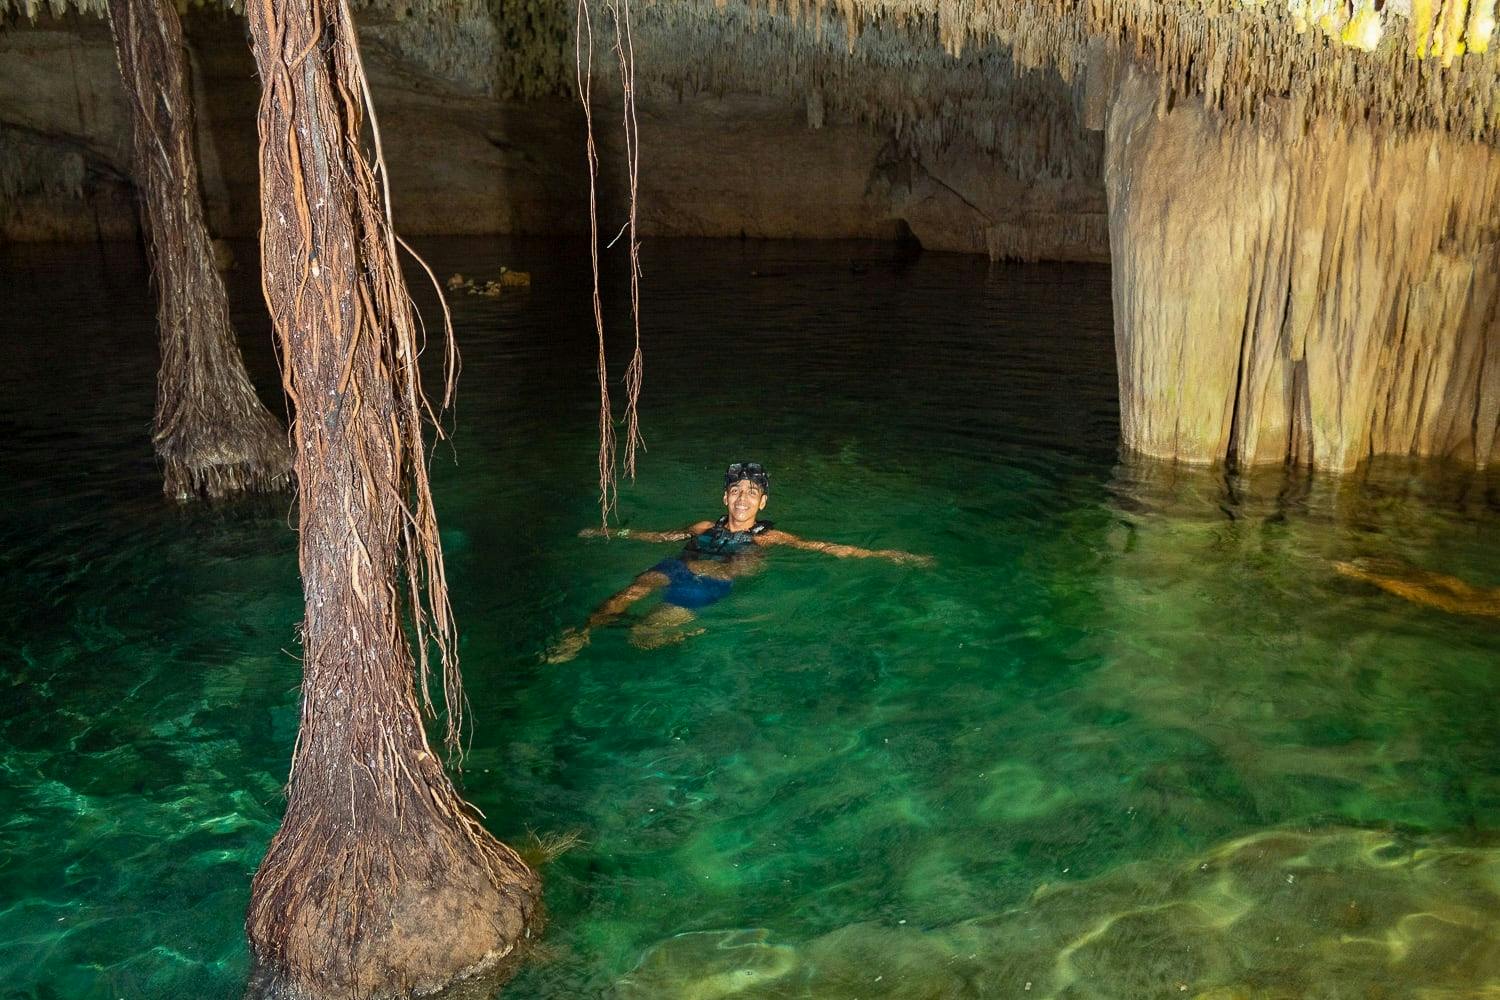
column 753, row 471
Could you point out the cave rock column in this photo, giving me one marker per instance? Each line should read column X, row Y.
column 1307, row 294
column 380, row 882
column 212, row 433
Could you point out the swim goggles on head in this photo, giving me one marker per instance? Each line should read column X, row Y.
column 753, row 471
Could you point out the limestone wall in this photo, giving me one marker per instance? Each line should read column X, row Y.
column 717, row 158
column 1315, row 297
column 64, row 136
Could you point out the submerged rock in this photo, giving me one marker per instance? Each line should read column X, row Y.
column 1280, row 913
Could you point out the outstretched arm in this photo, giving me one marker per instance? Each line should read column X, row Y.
column 572, row 641
column 680, row 535
column 844, row 551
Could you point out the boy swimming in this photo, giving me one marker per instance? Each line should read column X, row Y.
column 702, row 574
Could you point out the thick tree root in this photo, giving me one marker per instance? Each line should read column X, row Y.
column 389, row 907
column 212, row 433
column 247, row 453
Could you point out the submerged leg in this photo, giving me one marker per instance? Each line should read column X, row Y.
column 572, row 641
column 665, row 625
column 1435, row 590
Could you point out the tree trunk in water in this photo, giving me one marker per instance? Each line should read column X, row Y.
column 1312, row 298
column 212, row 432
column 380, row 882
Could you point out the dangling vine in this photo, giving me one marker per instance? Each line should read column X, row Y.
column 619, row 11
column 625, row 53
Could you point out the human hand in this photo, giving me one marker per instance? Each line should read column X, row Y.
column 566, row 646
column 604, row 533
column 913, row 559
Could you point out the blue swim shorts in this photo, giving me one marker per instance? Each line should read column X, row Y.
column 687, row 589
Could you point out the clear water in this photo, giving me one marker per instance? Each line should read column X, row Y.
column 1131, row 736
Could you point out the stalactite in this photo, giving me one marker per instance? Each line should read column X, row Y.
column 31, row 164
column 924, row 98
column 1318, row 302
column 1426, row 69
column 1240, row 54
column 1035, row 236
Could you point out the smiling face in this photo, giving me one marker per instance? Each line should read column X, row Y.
column 744, row 500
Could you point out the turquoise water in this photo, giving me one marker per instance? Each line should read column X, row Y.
column 1130, row 736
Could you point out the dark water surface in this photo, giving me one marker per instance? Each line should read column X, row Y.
column 1131, row 737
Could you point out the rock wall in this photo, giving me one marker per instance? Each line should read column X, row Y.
column 64, row 135
column 717, row 158
column 1314, row 296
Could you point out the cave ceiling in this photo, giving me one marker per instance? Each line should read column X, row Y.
column 1400, row 65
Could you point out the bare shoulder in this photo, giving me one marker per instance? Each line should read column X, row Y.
column 775, row 536
column 699, row 527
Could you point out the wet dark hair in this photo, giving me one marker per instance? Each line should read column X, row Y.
column 753, row 471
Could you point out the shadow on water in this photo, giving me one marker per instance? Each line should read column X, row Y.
column 1133, row 735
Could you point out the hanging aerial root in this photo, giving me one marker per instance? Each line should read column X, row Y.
column 212, row 433
column 635, row 372
column 624, row 48
column 584, row 63
column 250, row 455
column 381, row 881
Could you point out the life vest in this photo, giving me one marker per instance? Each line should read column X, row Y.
column 719, row 542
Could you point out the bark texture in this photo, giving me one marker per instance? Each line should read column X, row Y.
column 380, row 882
column 1315, row 296
column 212, row 433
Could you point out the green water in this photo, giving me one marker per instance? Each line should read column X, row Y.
column 1131, row 736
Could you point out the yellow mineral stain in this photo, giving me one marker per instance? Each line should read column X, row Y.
column 1481, row 26
column 1364, row 29
column 1455, row 16
column 1421, row 26
column 1332, row 22
column 1298, row 11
